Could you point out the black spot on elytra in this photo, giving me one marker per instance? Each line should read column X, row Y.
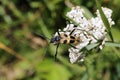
column 65, row 41
column 65, row 35
column 72, row 41
column 72, row 37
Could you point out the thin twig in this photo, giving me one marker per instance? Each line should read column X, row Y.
column 10, row 51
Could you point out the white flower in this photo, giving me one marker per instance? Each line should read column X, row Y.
column 69, row 27
column 74, row 57
column 76, row 14
column 88, row 31
column 108, row 14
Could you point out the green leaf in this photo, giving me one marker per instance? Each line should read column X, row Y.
column 91, row 46
column 49, row 70
column 35, row 4
column 112, row 44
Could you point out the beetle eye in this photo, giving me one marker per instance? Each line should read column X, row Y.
column 57, row 38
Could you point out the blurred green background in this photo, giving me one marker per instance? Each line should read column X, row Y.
column 22, row 48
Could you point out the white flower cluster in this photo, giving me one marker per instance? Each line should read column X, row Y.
column 89, row 31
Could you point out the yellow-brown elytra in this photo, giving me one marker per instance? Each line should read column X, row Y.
column 63, row 38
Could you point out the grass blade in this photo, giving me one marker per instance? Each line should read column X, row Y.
column 104, row 19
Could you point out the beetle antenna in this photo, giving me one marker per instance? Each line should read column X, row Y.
column 41, row 35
